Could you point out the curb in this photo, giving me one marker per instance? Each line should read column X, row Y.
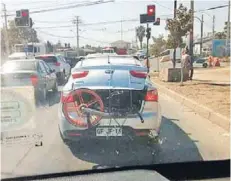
column 203, row 111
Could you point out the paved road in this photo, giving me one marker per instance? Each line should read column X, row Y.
column 184, row 137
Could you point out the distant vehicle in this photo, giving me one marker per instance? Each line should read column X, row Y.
column 109, row 50
column 141, row 54
column 29, row 72
column 59, row 64
column 104, row 88
column 167, row 55
column 200, row 62
column 29, row 50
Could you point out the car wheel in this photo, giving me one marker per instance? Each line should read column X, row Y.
column 43, row 96
column 205, row 65
column 55, row 88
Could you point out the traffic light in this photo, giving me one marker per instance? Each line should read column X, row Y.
column 157, row 21
column 22, row 18
column 151, row 10
column 148, row 35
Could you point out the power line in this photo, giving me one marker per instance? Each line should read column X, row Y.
column 57, row 36
column 54, row 6
column 93, row 40
column 68, row 7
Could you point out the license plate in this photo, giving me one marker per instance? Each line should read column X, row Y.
column 108, row 131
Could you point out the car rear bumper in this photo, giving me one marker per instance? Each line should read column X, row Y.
column 132, row 125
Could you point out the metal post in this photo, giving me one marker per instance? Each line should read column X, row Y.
column 147, row 53
column 191, row 32
column 77, row 35
column 213, row 26
column 6, row 30
column 174, row 51
column 201, row 43
column 228, row 31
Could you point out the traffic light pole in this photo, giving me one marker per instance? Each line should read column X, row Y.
column 147, row 52
column 6, row 31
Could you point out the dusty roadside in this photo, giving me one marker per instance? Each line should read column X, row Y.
column 210, row 88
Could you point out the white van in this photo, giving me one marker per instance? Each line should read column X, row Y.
column 167, row 55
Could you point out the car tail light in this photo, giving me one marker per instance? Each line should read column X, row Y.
column 67, row 98
column 81, row 74
column 151, row 95
column 57, row 64
column 34, row 80
column 138, row 74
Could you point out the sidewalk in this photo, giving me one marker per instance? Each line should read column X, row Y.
column 210, row 88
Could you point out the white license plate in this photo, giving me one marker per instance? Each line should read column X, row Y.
column 109, row 131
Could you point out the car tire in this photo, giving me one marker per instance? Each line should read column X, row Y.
column 43, row 96
column 205, row 65
column 62, row 78
column 55, row 88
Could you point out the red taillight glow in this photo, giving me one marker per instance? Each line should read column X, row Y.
column 57, row 64
column 34, row 80
column 67, row 98
column 151, row 96
column 138, row 74
column 77, row 75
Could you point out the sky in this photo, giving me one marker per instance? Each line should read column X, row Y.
column 49, row 24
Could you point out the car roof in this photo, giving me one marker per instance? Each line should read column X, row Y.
column 22, row 60
column 50, row 54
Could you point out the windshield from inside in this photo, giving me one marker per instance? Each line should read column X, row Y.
column 113, row 83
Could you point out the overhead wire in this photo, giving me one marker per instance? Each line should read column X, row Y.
column 69, row 7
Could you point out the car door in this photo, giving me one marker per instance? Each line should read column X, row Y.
column 65, row 65
column 52, row 74
column 45, row 76
column 49, row 78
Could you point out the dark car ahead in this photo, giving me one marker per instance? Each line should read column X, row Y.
column 29, row 72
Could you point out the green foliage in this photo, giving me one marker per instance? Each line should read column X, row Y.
column 220, row 35
column 140, row 33
column 179, row 26
column 18, row 35
column 159, row 45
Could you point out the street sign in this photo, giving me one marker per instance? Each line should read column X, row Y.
column 144, row 18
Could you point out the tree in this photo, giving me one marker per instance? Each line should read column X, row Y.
column 220, row 35
column 140, row 33
column 159, row 45
column 18, row 35
column 179, row 26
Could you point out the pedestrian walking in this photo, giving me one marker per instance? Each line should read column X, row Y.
column 187, row 62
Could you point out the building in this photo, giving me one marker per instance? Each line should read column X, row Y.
column 121, row 44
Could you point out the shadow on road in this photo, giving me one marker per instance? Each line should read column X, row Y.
column 175, row 146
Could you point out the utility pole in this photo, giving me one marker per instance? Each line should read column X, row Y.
column 121, row 30
column 77, row 35
column 191, row 31
column 213, row 26
column 6, row 30
column 202, row 24
column 228, row 24
column 174, row 51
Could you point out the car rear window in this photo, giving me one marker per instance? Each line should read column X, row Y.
column 11, row 66
column 47, row 59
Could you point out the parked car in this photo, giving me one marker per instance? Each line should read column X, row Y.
column 59, row 64
column 109, row 96
column 200, row 62
column 29, row 72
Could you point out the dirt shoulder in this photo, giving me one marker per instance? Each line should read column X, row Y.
column 212, row 94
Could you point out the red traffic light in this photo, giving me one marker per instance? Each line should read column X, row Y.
column 25, row 13
column 151, row 10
